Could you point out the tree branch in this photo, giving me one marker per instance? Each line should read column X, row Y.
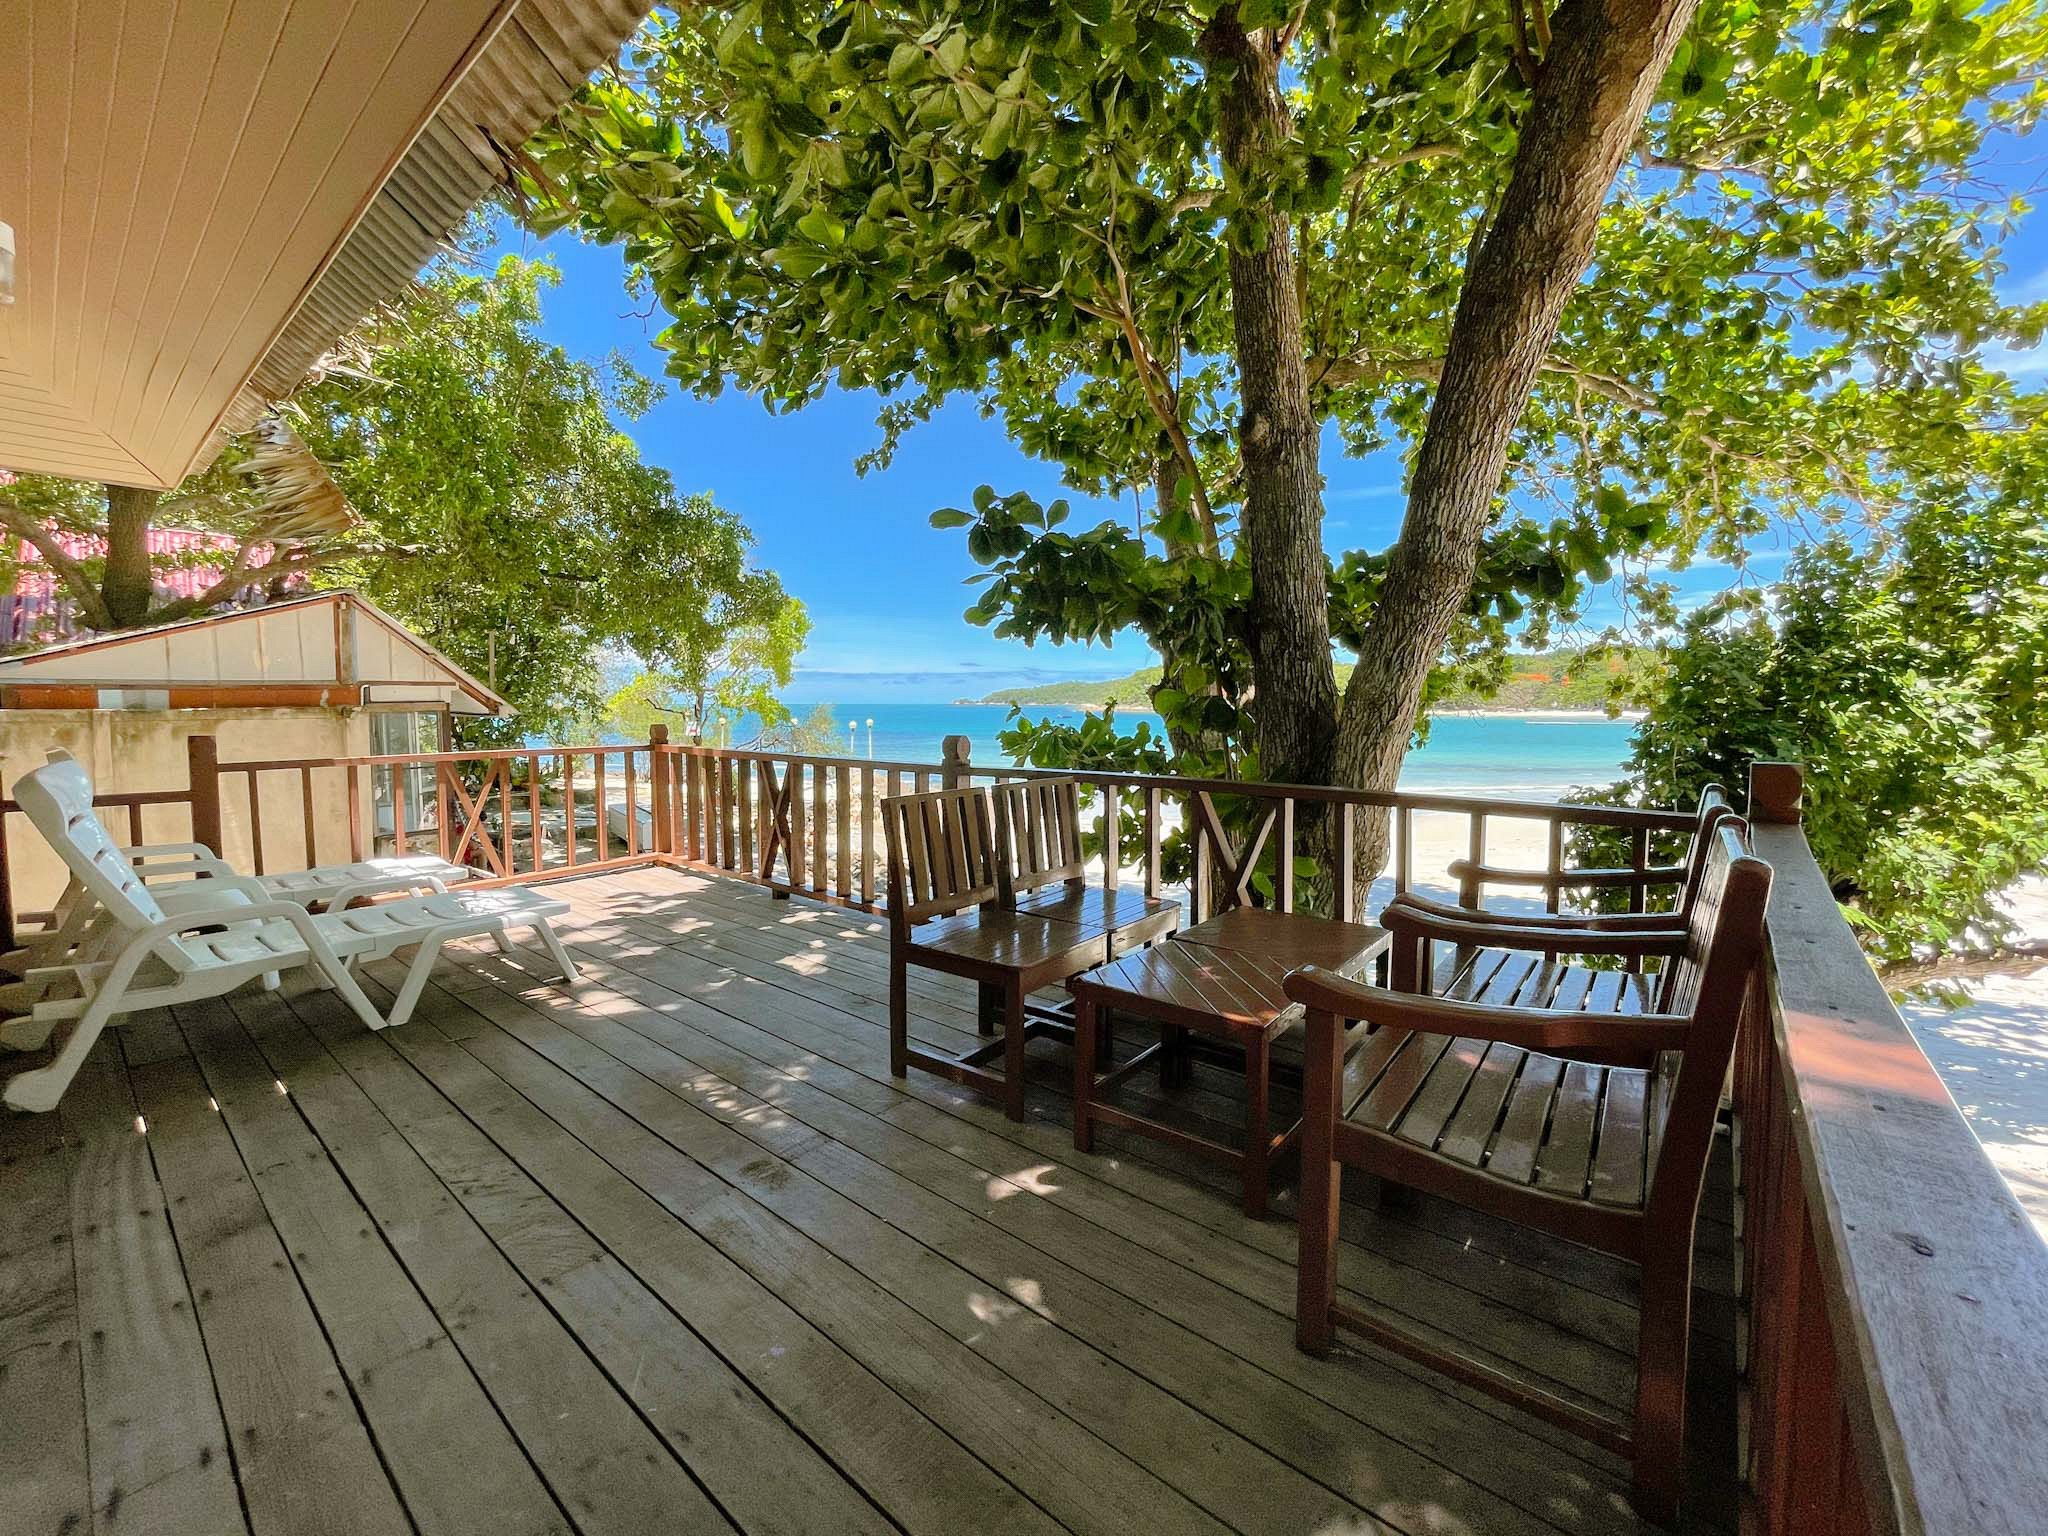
column 1336, row 372
column 71, row 573
column 1161, row 395
column 1202, row 197
column 292, row 562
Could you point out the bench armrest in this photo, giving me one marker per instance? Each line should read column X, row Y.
column 1605, row 922
column 1535, row 1029
column 1405, row 921
column 1568, row 879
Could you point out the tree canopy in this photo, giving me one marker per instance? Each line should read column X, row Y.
column 518, row 528
column 1906, row 673
column 268, row 514
column 1792, row 293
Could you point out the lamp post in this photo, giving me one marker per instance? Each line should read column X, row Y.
column 852, row 746
column 871, row 740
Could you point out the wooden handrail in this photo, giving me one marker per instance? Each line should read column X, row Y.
column 1897, row 1291
column 1649, row 819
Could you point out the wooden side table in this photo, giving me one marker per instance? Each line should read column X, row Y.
column 1218, row 989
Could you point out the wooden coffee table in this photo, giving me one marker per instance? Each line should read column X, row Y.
column 1221, row 978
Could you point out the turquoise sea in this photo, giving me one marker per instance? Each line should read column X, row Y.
column 1502, row 754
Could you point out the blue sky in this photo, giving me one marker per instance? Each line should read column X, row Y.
column 884, row 590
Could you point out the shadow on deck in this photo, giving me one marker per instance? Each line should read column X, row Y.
column 673, row 1252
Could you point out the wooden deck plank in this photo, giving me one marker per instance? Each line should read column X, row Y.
column 47, row 1484
column 1195, row 1283
column 158, row 1448
column 633, row 1121
column 698, row 1157
column 1387, row 1280
column 712, row 1420
column 1464, row 1241
column 909, row 1465
column 1277, row 1283
column 1078, row 1176
column 434, row 1426
column 1473, row 1245
column 871, row 1087
column 303, row 1459
column 604, row 1464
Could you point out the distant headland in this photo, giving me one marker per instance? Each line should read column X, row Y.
column 1538, row 683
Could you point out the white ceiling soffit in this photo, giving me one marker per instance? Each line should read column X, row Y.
column 205, row 194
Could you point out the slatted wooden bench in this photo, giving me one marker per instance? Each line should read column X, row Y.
column 1474, row 874
column 1041, row 867
column 945, row 914
column 1478, row 966
column 1591, row 1124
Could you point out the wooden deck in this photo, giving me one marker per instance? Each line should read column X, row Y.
column 672, row 1252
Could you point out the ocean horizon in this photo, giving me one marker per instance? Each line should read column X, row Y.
column 1538, row 752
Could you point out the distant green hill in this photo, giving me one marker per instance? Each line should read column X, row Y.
column 1538, row 680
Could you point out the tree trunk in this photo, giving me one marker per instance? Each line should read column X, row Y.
column 1278, row 434
column 125, row 585
column 1605, row 62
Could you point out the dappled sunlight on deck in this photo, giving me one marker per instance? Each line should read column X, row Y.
column 624, row 1245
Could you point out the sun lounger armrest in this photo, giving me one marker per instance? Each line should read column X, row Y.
column 212, row 893
column 191, row 855
column 1535, row 1029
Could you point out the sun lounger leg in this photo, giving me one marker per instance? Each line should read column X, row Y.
column 546, row 930
column 40, row 1089
column 417, row 970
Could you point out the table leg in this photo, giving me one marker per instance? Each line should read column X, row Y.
column 899, row 1011
column 1084, row 1073
column 988, row 1006
column 1013, row 1048
column 1174, row 1070
column 1321, row 1181
column 1257, row 1129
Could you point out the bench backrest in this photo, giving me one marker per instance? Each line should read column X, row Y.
column 1714, row 809
column 942, row 853
column 57, row 799
column 1038, row 833
column 1708, row 985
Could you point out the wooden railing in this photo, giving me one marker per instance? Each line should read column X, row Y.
column 807, row 825
column 516, row 813
column 1895, row 1352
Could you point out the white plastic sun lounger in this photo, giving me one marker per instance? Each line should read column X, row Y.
column 212, row 935
column 325, row 887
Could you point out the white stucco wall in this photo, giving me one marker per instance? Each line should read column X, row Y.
column 130, row 750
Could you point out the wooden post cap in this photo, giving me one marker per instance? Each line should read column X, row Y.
column 955, row 753
column 1776, row 791
column 657, row 735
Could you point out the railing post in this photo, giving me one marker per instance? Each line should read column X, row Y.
column 955, row 754
column 1777, row 792
column 661, row 787
column 202, row 776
